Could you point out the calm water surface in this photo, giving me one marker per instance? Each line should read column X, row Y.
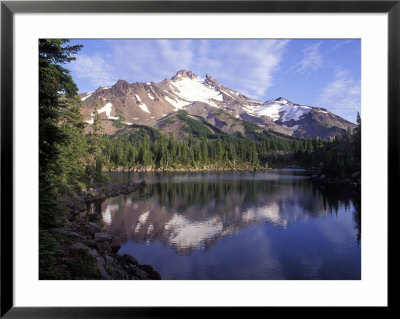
column 238, row 225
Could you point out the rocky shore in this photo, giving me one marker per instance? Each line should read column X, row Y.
column 209, row 168
column 92, row 254
column 78, row 202
column 86, row 251
column 353, row 180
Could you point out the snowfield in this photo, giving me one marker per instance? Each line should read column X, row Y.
column 194, row 90
column 176, row 104
column 280, row 109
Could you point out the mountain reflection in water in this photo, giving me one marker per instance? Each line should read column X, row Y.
column 190, row 212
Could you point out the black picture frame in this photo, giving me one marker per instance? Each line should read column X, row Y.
column 9, row 8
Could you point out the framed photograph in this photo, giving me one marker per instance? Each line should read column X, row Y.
column 215, row 145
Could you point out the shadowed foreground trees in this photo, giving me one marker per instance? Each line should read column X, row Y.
column 65, row 162
column 69, row 161
column 56, row 92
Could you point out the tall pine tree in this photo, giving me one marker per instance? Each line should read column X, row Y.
column 55, row 84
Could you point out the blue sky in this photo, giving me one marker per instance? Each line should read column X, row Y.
column 315, row 72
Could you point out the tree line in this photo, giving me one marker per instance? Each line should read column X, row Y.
column 340, row 156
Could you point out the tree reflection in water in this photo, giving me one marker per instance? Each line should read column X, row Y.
column 195, row 214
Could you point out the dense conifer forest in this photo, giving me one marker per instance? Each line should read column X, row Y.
column 142, row 147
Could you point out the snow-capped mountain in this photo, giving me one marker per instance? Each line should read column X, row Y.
column 151, row 103
column 279, row 110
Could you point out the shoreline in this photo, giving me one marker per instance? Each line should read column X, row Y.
column 197, row 169
column 325, row 179
column 86, row 250
column 84, row 244
column 77, row 203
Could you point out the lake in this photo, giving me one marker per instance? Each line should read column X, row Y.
column 273, row 225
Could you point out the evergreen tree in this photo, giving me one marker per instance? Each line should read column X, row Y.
column 55, row 83
column 95, row 162
column 220, row 150
column 204, row 150
column 61, row 143
column 72, row 148
column 357, row 139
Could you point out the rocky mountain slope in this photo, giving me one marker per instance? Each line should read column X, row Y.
column 205, row 99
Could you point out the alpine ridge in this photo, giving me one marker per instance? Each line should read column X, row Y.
column 204, row 98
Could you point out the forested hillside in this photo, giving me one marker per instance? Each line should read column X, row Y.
column 139, row 147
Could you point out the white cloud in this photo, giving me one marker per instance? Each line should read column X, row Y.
column 247, row 66
column 342, row 96
column 311, row 61
column 150, row 60
column 94, row 69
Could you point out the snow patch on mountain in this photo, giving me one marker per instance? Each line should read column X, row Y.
column 179, row 104
column 250, row 108
column 106, row 108
column 142, row 105
column 195, row 90
column 280, row 109
column 230, row 93
column 89, row 94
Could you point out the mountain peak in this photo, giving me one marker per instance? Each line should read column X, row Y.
column 121, row 84
column 184, row 74
column 283, row 100
column 209, row 78
column 120, row 87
